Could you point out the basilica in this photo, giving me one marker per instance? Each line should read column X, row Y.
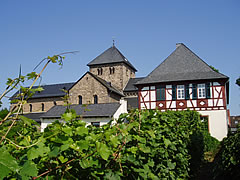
column 182, row 81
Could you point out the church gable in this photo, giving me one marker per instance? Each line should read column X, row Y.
column 90, row 90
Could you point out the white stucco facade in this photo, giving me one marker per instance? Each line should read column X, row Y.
column 217, row 123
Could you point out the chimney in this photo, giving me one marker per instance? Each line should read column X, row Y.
column 178, row 44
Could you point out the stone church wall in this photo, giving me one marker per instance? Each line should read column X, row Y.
column 37, row 104
column 87, row 87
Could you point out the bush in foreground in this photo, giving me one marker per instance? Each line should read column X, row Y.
column 152, row 145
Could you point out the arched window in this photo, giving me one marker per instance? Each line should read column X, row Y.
column 42, row 107
column 30, row 107
column 111, row 70
column 79, row 99
column 100, row 71
column 95, row 99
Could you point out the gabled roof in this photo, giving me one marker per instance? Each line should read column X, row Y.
column 110, row 56
column 131, row 84
column 91, row 110
column 51, row 90
column 103, row 82
column 182, row 65
column 35, row 116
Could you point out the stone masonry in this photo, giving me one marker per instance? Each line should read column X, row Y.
column 120, row 77
column 87, row 87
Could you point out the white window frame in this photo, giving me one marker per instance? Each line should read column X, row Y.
column 201, row 91
column 180, row 92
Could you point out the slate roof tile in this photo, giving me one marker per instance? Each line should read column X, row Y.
column 91, row 110
column 51, row 90
column 110, row 56
column 131, row 84
column 182, row 65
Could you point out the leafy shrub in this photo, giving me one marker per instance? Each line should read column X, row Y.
column 152, row 145
column 3, row 113
column 227, row 161
column 210, row 143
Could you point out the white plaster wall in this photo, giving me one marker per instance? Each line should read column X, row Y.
column 102, row 120
column 46, row 122
column 168, row 94
column 121, row 109
column 217, row 121
column 153, row 95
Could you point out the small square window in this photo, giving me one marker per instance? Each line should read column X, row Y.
column 96, row 124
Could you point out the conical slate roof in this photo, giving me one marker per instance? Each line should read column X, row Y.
column 182, row 65
column 110, row 56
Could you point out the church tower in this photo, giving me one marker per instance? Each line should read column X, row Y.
column 113, row 67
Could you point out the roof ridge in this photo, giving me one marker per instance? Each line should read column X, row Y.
column 107, row 83
column 110, row 56
column 54, row 84
column 181, row 61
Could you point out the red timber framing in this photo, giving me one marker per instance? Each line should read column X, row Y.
column 147, row 97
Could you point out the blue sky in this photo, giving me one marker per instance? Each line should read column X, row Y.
column 145, row 32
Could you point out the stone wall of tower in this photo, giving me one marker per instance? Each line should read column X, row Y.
column 87, row 87
column 120, row 77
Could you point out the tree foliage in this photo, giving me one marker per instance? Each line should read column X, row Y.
column 227, row 161
column 238, row 81
column 3, row 113
column 213, row 68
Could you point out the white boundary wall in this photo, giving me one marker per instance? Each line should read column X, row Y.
column 217, row 123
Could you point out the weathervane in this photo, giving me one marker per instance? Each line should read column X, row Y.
column 113, row 41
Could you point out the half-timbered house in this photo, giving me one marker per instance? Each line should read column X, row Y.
column 184, row 81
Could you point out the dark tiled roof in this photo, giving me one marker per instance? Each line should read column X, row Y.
column 182, row 65
column 110, row 56
column 34, row 116
column 51, row 90
column 91, row 110
column 130, row 85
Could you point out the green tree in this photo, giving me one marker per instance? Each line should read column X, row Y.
column 238, row 81
column 3, row 113
column 213, row 68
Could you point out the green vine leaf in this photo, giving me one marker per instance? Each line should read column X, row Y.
column 28, row 170
column 103, row 151
column 7, row 163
